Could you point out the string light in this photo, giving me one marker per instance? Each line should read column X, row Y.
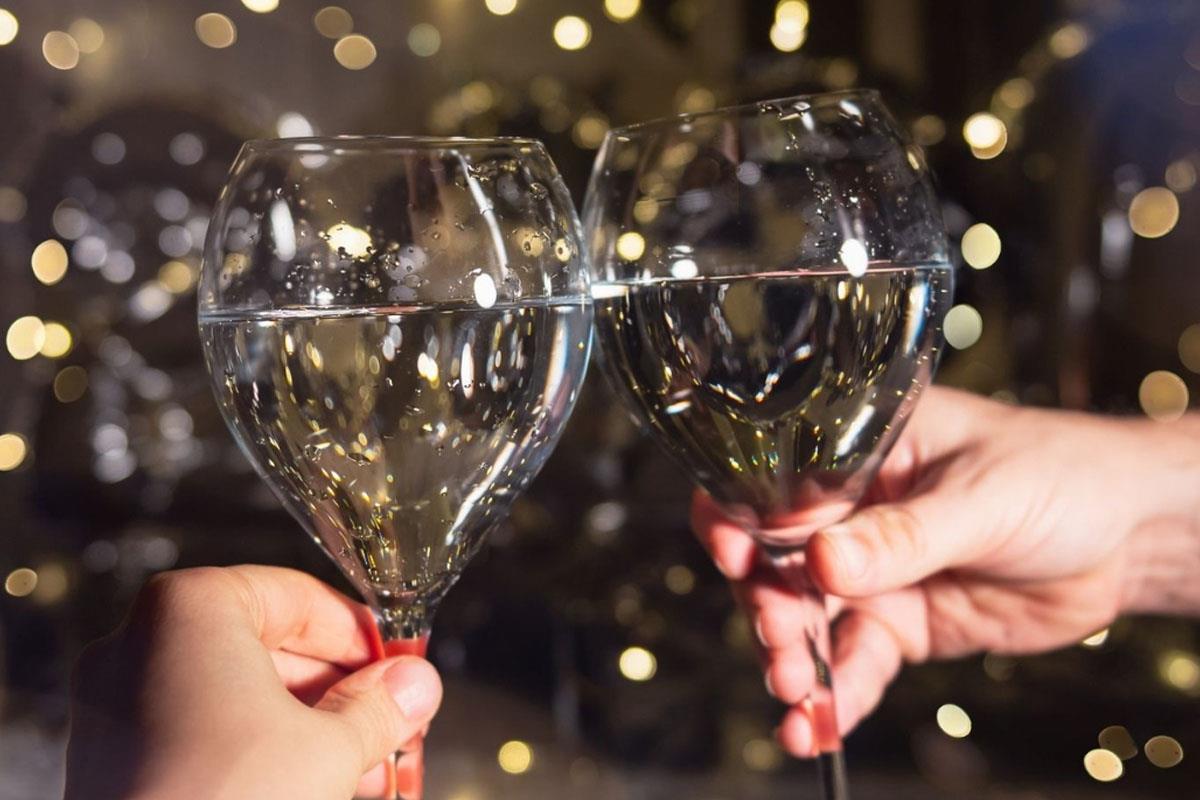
column 631, row 245
column 790, row 29
column 637, row 664
column 21, row 582
column 261, row 6
column 60, row 50
column 88, row 35
column 515, row 757
column 572, row 33
column 1163, row 752
column 1163, row 396
column 216, row 30
column 981, row 246
column 424, row 40
column 501, row 8
column 1116, row 740
column 333, row 22
column 1069, row 41
column 9, row 26
column 622, row 10
column 986, row 134
column 1154, row 212
column 953, row 721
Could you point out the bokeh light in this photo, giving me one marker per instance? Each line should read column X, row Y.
column 1117, row 740
column 501, row 7
column 622, row 10
column 588, row 131
column 1180, row 176
column 9, row 26
column 679, row 579
column 333, row 22
column 60, row 50
column 49, row 262
column 1180, row 670
column 261, row 6
column 88, row 35
column 1154, row 212
column 637, row 664
column 1103, row 765
column 631, row 245
column 424, row 40
column 515, row 757
column 70, row 384
column 572, row 33
column 355, row 51
column 981, row 246
column 1069, row 41
column 13, row 451
column 57, row 340
column 216, row 30
column 1189, row 347
column 963, row 326
column 1163, row 396
column 953, row 721
column 21, row 582
column 25, row 338
column 1163, row 752
column 986, row 134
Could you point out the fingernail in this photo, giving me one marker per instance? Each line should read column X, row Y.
column 851, row 551
column 413, row 686
column 758, row 629
column 767, row 683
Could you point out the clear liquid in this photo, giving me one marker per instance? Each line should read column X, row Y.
column 399, row 435
column 779, row 393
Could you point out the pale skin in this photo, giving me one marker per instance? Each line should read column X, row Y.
column 245, row 682
column 990, row 528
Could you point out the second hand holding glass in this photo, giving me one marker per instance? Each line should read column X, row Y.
column 770, row 282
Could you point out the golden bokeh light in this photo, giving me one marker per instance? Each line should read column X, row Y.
column 693, row 99
column 88, row 35
column 1015, row 93
column 52, row 583
column 928, row 130
column 762, row 755
column 333, row 22
column 355, row 51
column 622, row 10
column 515, row 757
column 1154, row 212
column 21, row 582
column 1181, row 670
column 1189, row 347
column 1103, row 765
column 986, row 134
column 57, row 340
column 792, row 13
column 261, row 6
column 954, row 721
column 70, row 384
column 786, row 38
column 1163, row 752
column 1117, row 740
column 645, row 210
column 637, row 664
column 13, row 451
column 1069, row 41
column 9, row 26
column 176, row 277
column 216, row 30
column 501, row 8
column 963, row 326
column 25, row 338
column 981, row 245
column 631, row 245
column 424, row 40
column 1097, row 639
column 680, row 579
column 588, row 131
column 1180, row 176
column 12, row 204
column 49, row 262
column 572, row 32
column 60, row 50
column 346, row 238
column 1163, row 396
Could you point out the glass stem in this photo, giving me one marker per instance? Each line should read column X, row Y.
column 403, row 631
column 819, row 705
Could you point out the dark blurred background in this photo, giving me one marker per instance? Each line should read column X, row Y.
column 590, row 650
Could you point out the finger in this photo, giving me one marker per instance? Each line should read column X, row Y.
column 383, row 706
column 890, row 546
column 305, row 677
column 731, row 548
column 789, row 673
column 376, row 782
column 777, row 612
column 866, row 659
column 296, row 612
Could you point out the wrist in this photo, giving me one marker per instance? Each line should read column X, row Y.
column 1162, row 563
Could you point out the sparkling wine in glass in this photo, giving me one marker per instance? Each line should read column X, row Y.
column 396, row 331
column 770, row 282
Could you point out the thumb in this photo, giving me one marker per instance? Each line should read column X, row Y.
column 890, row 546
column 383, row 706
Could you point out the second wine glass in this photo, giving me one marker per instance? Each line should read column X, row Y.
column 770, row 282
column 396, row 331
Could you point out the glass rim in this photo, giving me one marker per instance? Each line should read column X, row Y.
column 305, row 145
column 740, row 109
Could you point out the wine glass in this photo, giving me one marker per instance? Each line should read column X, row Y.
column 770, row 282
column 396, row 329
